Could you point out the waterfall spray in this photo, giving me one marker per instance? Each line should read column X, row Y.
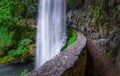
column 51, row 29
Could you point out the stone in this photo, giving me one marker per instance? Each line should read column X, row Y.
column 90, row 30
column 111, row 2
column 98, row 64
column 119, row 7
column 115, row 36
column 73, row 18
column 103, row 42
column 71, row 61
column 118, row 60
column 115, row 43
column 118, row 1
column 96, row 35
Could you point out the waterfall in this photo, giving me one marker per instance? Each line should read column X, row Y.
column 51, row 29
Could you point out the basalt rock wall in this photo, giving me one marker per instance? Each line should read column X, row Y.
column 99, row 21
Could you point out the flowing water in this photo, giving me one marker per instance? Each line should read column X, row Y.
column 15, row 69
column 51, row 29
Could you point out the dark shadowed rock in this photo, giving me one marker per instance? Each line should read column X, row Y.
column 99, row 64
column 118, row 61
column 102, row 43
column 115, row 42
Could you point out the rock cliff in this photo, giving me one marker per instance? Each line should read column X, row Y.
column 99, row 21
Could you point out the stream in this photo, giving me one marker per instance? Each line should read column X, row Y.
column 15, row 69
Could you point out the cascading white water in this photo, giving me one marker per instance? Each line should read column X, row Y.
column 51, row 30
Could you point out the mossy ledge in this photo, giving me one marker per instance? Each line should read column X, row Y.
column 71, row 61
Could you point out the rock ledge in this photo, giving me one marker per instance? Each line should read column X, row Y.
column 62, row 63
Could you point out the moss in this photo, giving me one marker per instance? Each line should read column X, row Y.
column 24, row 72
column 82, row 14
column 72, row 37
column 74, row 4
column 6, row 59
column 108, row 55
column 97, row 10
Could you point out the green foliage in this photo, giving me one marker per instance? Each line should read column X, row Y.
column 5, row 37
column 23, row 11
column 24, row 43
column 99, row 3
column 74, row 4
column 97, row 12
column 2, row 53
column 72, row 37
column 14, row 16
column 98, row 9
column 25, row 8
column 108, row 55
column 16, row 8
column 6, row 40
column 15, row 13
column 22, row 50
column 82, row 14
column 24, row 72
column 24, row 32
column 5, row 11
column 6, row 59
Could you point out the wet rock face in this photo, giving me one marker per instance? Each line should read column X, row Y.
column 73, row 18
column 99, row 64
column 115, row 45
column 115, row 40
column 81, row 20
column 115, row 35
column 101, row 30
column 112, row 2
column 102, row 43
column 104, row 32
column 71, row 61
column 119, row 9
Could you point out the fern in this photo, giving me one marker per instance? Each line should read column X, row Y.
column 22, row 50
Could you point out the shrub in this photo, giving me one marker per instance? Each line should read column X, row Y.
column 22, row 50
column 5, row 37
column 24, row 72
column 14, row 15
column 6, row 40
column 6, row 59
